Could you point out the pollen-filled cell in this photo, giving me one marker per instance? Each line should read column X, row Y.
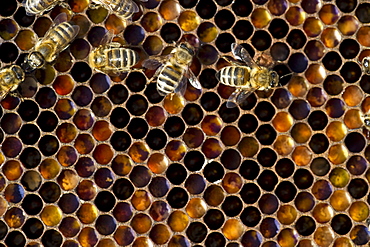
column 170, row 9
column 348, row 25
column 295, row 15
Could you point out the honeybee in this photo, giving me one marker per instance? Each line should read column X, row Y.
column 112, row 58
column 246, row 76
column 171, row 74
column 34, row 7
column 10, row 77
column 55, row 40
column 366, row 65
column 123, row 8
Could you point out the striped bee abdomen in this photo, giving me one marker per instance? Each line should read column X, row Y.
column 235, row 76
column 169, row 79
column 62, row 34
column 36, row 7
column 121, row 58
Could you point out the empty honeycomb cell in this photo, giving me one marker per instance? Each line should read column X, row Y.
column 137, row 128
column 213, row 171
column 351, row 72
column 81, row 72
column 317, row 120
column 242, row 29
column 250, row 194
column 341, row 224
column 8, row 52
column 266, row 157
column 295, row 15
column 260, row 17
column 355, row 142
column 278, row 28
column 286, row 191
column 33, row 228
column 242, row 8
column 69, row 227
column 136, row 105
column 194, row 160
column 349, row 48
column 261, row 40
column 267, row 180
column 232, row 206
column 15, row 238
column 224, row 41
column 284, row 167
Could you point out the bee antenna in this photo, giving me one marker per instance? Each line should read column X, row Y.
column 291, row 73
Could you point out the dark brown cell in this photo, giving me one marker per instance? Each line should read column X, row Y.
column 242, row 8
column 196, row 232
column 177, row 197
column 81, row 72
column 261, row 40
column 358, row 188
column 50, row 192
column 359, row 235
column 32, row 204
column 268, row 203
column 33, row 228
column 333, row 84
column 224, row 19
column 332, row 61
column 104, row 177
column 137, row 105
column 69, row 227
column 351, row 72
column 299, row 109
column 322, row 189
column 316, row 96
column 16, row 239
column 269, row 227
column 86, row 190
column 105, row 200
column 195, row 184
column 251, row 238
column 346, row 6
column 63, row 62
column 68, row 203
column 11, row 147
column 170, row 32
column 82, row 95
column 140, row 176
column 341, row 224
column 355, row 142
column 122, row 212
column 159, row 186
column 105, row 224
column 51, row 238
column 232, row 206
column 8, row 52
column 11, row 123
column 305, row 225
column 101, row 106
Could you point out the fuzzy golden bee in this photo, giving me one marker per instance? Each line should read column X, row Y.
column 10, row 78
column 112, row 58
column 55, row 40
column 246, row 75
column 34, row 7
column 123, row 8
column 172, row 72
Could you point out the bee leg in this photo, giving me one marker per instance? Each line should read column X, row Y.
column 94, row 5
column 64, row 5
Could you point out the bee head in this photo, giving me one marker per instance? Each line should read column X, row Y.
column 366, row 64
column 184, row 53
column 274, row 79
column 34, row 60
column 366, row 119
column 18, row 72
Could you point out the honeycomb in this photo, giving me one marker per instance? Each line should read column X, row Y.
column 89, row 159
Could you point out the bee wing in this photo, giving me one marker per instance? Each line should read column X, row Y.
column 238, row 97
column 134, row 9
column 242, row 54
column 26, row 4
column 62, row 17
column 181, row 87
column 265, row 59
column 193, row 79
column 107, row 38
column 153, row 64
